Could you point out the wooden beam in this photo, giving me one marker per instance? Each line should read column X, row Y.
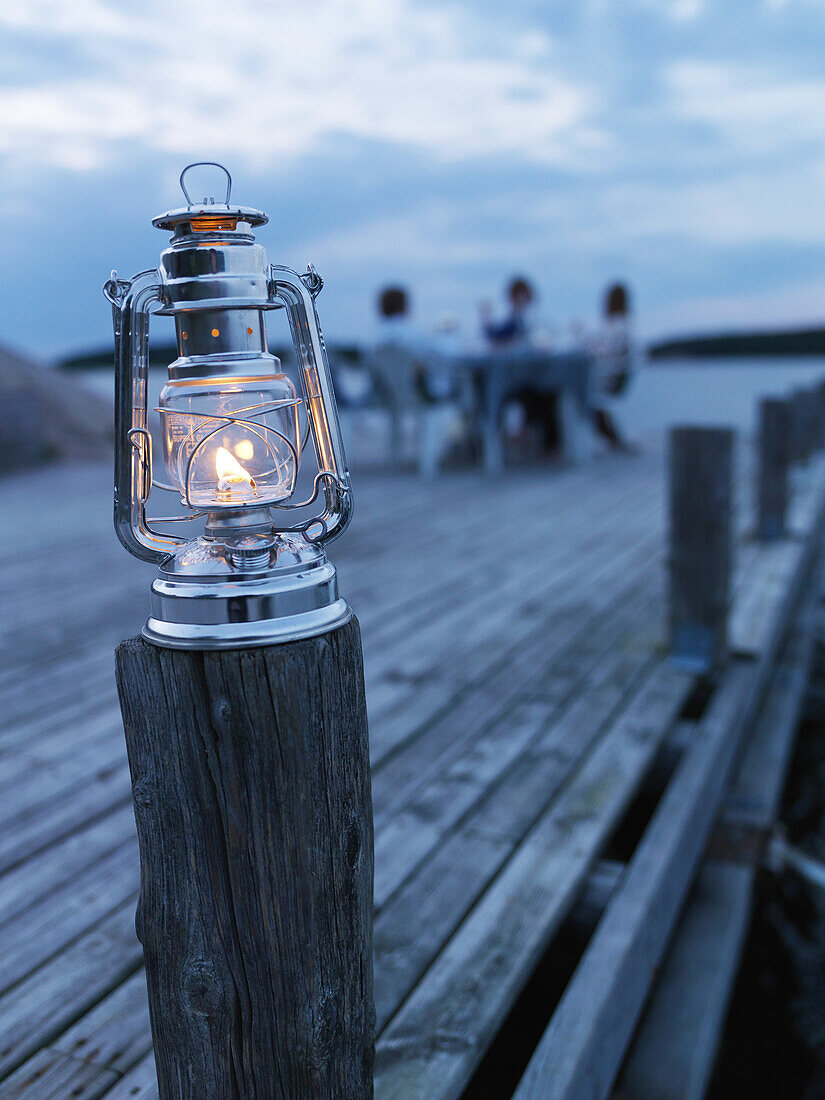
column 674, row 1049
column 580, row 1052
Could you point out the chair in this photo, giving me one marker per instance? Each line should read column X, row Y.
column 398, row 374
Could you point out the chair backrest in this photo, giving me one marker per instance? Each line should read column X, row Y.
column 395, row 366
column 354, row 382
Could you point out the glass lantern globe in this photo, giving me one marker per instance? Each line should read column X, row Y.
column 232, row 440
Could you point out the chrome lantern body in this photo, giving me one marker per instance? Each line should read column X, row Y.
column 233, row 431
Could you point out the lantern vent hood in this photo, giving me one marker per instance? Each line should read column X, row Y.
column 208, row 215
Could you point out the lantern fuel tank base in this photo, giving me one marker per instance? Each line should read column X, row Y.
column 250, row 591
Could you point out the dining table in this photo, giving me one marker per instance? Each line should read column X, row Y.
column 498, row 376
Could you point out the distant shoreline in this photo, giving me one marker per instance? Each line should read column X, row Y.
column 161, row 355
column 792, row 342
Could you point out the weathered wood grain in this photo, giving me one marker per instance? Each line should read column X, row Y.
column 140, row 1083
column 34, row 1011
column 42, row 930
column 49, row 1075
column 252, row 797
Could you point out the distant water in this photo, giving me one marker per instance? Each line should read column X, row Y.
column 706, row 391
column 711, row 391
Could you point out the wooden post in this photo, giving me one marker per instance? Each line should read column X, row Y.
column 800, row 420
column 819, row 401
column 815, row 418
column 701, row 500
column 251, row 783
column 773, row 460
column 814, row 402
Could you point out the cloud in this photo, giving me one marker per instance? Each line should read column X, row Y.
column 274, row 80
column 750, row 108
column 679, row 11
column 447, row 143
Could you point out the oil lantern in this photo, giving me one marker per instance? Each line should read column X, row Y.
column 233, row 430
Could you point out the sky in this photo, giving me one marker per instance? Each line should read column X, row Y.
column 675, row 144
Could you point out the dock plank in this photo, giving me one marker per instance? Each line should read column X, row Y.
column 141, row 1083
column 517, row 698
column 674, row 1049
column 115, row 1033
column 435, row 1040
column 49, row 1075
column 580, row 1052
column 33, row 1012
column 42, row 930
column 59, row 865
column 106, row 1046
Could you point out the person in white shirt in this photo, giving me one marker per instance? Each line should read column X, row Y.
column 434, row 377
column 613, row 368
column 410, row 358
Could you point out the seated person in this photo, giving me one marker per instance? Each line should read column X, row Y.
column 434, row 377
column 413, row 366
column 515, row 328
column 536, row 408
column 614, row 368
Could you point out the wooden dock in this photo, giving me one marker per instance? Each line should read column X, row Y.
column 538, row 764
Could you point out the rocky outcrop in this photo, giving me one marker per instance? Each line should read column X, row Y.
column 46, row 416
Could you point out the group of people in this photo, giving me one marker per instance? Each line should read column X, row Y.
column 608, row 354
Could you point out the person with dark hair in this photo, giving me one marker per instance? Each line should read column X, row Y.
column 528, row 406
column 614, row 363
column 617, row 301
column 435, row 383
column 392, row 302
column 515, row 327
column 417, row 373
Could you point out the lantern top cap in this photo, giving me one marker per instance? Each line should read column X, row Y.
column 210, row 214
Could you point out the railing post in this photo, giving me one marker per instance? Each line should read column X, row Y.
column 819, row 404
column 251, row 785
column 814, row 421
column 800, row 431
column 701, row 504
column 773, row 459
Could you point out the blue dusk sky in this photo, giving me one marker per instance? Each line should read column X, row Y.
column 678, row 144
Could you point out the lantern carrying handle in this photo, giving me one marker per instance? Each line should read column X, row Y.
column 206, row 164
column 297, row 293
column 132, row 301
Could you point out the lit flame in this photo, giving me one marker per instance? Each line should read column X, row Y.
column 230, row 472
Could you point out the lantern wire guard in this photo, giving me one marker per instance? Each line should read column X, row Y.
column 249, row 579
